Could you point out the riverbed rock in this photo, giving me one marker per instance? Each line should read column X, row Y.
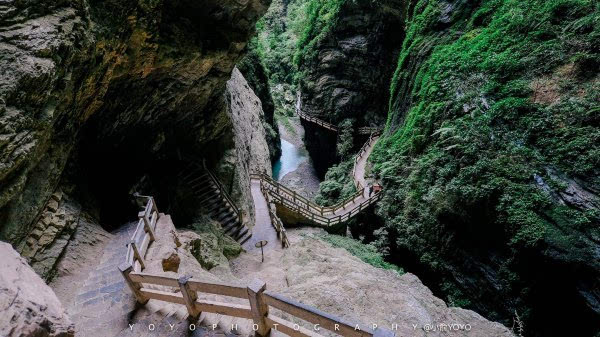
column 30, row 307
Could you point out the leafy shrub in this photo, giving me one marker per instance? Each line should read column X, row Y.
column 366, row 252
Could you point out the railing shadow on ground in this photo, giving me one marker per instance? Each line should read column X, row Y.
column 184, row 291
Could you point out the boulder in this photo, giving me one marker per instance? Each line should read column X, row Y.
column 29, row 307
column 171, row 262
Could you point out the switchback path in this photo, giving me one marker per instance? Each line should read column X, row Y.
column 325, row 216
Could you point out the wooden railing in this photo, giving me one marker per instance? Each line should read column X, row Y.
column 275, row 220
column 281, row 232
column 184, row 291
column 364, row 130
column 223, row 192
column 369, row 130
column 317, row 121
column 357, row 158
column 143, row 234
column 319, row 215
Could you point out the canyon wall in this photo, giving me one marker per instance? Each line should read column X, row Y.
column 255, row 74
column 343, row 59
column 249, row 133
column 103, row 93
column 344, row 54
column 490, row 159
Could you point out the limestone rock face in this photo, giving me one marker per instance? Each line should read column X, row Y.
column 171, row 262
column 51, row 234
column 29, row 306
column 256, row 75
column 251, row 151
column 197, row 252
column 348, row 75
column 132, row 74
column 210, row 246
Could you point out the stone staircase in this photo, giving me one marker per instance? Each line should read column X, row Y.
column 103, row 305
column 214, row 201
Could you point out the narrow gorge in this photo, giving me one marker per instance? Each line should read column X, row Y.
column 300, row 167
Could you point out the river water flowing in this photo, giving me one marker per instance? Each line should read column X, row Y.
column 290, row 160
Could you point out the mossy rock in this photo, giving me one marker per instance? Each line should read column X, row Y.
column 212, row 247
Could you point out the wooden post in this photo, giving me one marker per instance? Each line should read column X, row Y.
column 126, row 268
column 136, row 254
column 148, row 227
column 189, row 297
column 154, row 206
column 259, row 308
column 381, row 332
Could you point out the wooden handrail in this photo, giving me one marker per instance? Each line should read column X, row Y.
column 143, row 234
column 273, row 186
column 275, row 220
column 317, row 121
column 184, row 291
column 320, row 215
column 256, row 309
column 363, row 130
column 223, row 193
column 316, row 213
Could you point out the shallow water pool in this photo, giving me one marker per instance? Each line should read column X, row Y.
column 291, row 158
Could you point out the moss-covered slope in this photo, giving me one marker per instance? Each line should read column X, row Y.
column 491, row 157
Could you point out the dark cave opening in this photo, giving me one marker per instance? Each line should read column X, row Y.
column 106, row 174
column 109, row 169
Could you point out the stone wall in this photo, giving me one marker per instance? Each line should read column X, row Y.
column 51, row 234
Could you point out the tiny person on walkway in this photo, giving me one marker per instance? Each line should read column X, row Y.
column 377, row 188
column 370, row 190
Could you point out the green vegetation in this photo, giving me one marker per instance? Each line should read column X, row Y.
column 320, row 18
column 494, row 114
column 275, row 45
column 286, row 43
column 503, row 105
column 338, row 184
column 346, row 139
column 366, row 252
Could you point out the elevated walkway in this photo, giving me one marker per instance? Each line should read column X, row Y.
column 365, row 130
column 186, row 298
column 326, row 216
